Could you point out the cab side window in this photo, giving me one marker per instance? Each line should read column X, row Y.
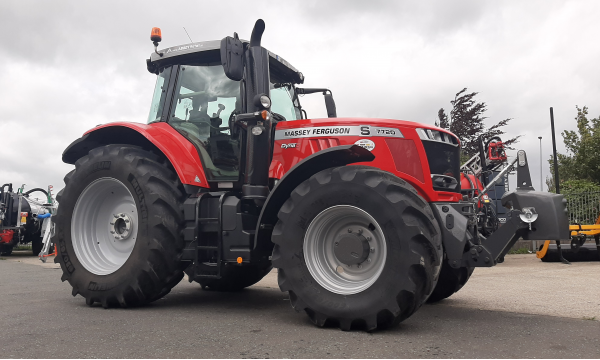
column 205, row 99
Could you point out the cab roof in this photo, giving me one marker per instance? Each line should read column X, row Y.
column 209, row 51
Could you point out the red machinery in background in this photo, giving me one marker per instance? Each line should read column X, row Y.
column 475, row 182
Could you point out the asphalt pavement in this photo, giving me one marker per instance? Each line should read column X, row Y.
column 492, row 317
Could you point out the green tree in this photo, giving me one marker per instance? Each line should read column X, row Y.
column 581, row 164
column 467, row 122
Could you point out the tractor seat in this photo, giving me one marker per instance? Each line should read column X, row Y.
column 197, row 116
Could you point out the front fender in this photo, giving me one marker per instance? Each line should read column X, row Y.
column 324, row 159
column 159, row 137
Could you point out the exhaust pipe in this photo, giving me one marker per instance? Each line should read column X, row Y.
column 257, row 32
column 258, row 141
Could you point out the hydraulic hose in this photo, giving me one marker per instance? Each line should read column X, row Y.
column 34, row 190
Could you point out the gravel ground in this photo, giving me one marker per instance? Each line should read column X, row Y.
column 520, row 309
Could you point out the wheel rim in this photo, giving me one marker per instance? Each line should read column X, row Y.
column 344, row 249
column 104, row 226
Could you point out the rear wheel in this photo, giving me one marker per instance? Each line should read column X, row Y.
column 118, row 227
column 356, row 247
column 450, row 281
column 6, row 250
column 33, row 235
column 36, row 246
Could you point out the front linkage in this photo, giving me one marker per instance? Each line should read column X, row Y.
column 533, row 215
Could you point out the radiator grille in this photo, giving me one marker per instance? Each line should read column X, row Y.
column 406, row 158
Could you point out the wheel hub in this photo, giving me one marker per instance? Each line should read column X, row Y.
column 104, row 226
column 344, row 249
column 121, row 226
column 352, row 249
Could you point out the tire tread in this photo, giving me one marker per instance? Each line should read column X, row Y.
column 153, row 280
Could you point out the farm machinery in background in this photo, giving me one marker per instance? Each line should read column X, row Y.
column 579, row 234
column 580, row 249
column 484, row 180
column 24, row 219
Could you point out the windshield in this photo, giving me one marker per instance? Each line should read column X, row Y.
column 282, row 103
column 160, row 93
column 204, row 102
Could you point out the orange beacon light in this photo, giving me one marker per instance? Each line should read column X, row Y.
column 155, row 35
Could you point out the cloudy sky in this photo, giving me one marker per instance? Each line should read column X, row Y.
column 66, row 66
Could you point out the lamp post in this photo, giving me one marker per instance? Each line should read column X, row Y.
column 541, row 187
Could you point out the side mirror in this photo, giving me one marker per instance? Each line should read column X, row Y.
column 330, row 105
column 232, row 57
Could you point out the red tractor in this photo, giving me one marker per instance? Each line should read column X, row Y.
column 363, row 218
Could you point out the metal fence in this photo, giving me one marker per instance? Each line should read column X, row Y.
column 584, row 208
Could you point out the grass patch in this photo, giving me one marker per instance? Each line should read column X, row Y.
column 589, row 318
column 519, row 251
column 2, row 258
column 22, row 247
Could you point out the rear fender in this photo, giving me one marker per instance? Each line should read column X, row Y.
column 156, row 137
column 324, row 159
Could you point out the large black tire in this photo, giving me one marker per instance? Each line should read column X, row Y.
column 450, row 281
column 154, row 265
column 6, row 250
column 36, row 246
column 235, row 278
column 412, row 238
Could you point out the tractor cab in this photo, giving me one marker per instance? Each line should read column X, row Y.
column 195, row 96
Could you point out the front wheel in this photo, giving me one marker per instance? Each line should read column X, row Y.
column 356, row 247
column 118, row 227
column 450, row 281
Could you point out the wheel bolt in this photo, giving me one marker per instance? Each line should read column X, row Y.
column 359, row 266
column 368, row 260
column 122, row 215
column 372, row 250
column 336, row 244
column 112, row 223
column 126, row 220
column 115, row 215
column 368, row 238
column 360, row 231
column 349, row 230
column 112, row 232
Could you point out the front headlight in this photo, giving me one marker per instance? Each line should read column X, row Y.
column 265, row 101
